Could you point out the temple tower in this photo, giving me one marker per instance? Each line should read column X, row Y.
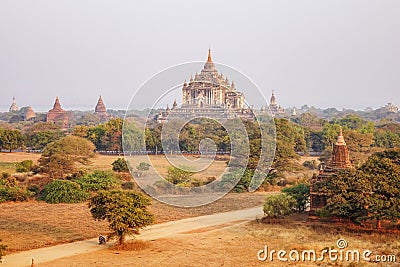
column 13, row 107
column 100, row 110
column 29, row 114
column 57, row 115
column 340, row 160
column 340, row 154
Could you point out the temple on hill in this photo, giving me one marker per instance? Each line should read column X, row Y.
column 340, row 161
column 13, row 107
column 208, row 94
column 57, row 115
column 100, row 110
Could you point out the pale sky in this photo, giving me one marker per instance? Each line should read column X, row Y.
column 338, row 53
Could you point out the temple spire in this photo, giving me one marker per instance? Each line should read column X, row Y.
column 13, row 107
column 340, row 140
column 209, row 55
column 57, row 104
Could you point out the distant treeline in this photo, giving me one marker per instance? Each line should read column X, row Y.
column 301, row 135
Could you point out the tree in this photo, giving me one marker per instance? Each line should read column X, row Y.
column 43, row 133
column 107, row 136
column 120, row 165
column 369, row 193
column 11, row 139
column 279, row 205
column 2, row 250
column 177, row 175
column 301, row 193
column 59, row 157
column 126, row 212
column 387, row 135
column 288, row 138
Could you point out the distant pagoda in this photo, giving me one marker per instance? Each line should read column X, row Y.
column 13, row 107
column 273, row 108
column 100, row 110
column 57, row 115
column 208, row 94
column 29, row 114
column 340, row 161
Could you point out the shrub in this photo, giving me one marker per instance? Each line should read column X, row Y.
column 13, row 194
column 120, row 165
column 129, row 185
column 238, row 176
column 7, row 180
column 35, row 189
column 178, row 176
column 63, row 191
column 279, row 205
column 98, row 180
column 143, row 166
column 24, row 166
column 35, row 169
column 301, row 193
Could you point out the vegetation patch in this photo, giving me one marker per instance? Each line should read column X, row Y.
column 63, row 191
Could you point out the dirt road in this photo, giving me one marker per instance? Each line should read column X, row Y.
column 150, row 233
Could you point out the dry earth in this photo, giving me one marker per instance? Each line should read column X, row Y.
column 238, row 246
column 33, row 224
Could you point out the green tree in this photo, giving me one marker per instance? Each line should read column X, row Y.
column 288, row 139
column 11, row 139
column 279, row 205
column 41, row 134
column 178, row 175
column 59, row 157
column 310, row 120
column 126, row 212
column 107, row 136
column 387, row 135
column 369, row 193
column 133, row 137
column 301, row 193
column 120, row 165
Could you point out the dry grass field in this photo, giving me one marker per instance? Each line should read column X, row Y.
column 238, row 246
column 103, row 162
column 33, row 224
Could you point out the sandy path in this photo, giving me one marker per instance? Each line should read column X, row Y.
column 150, row 233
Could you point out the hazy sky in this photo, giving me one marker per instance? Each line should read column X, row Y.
column 322, row 53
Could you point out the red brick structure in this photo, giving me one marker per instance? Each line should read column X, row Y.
column 340, row 160
column 57, row 115
column 101, row 111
